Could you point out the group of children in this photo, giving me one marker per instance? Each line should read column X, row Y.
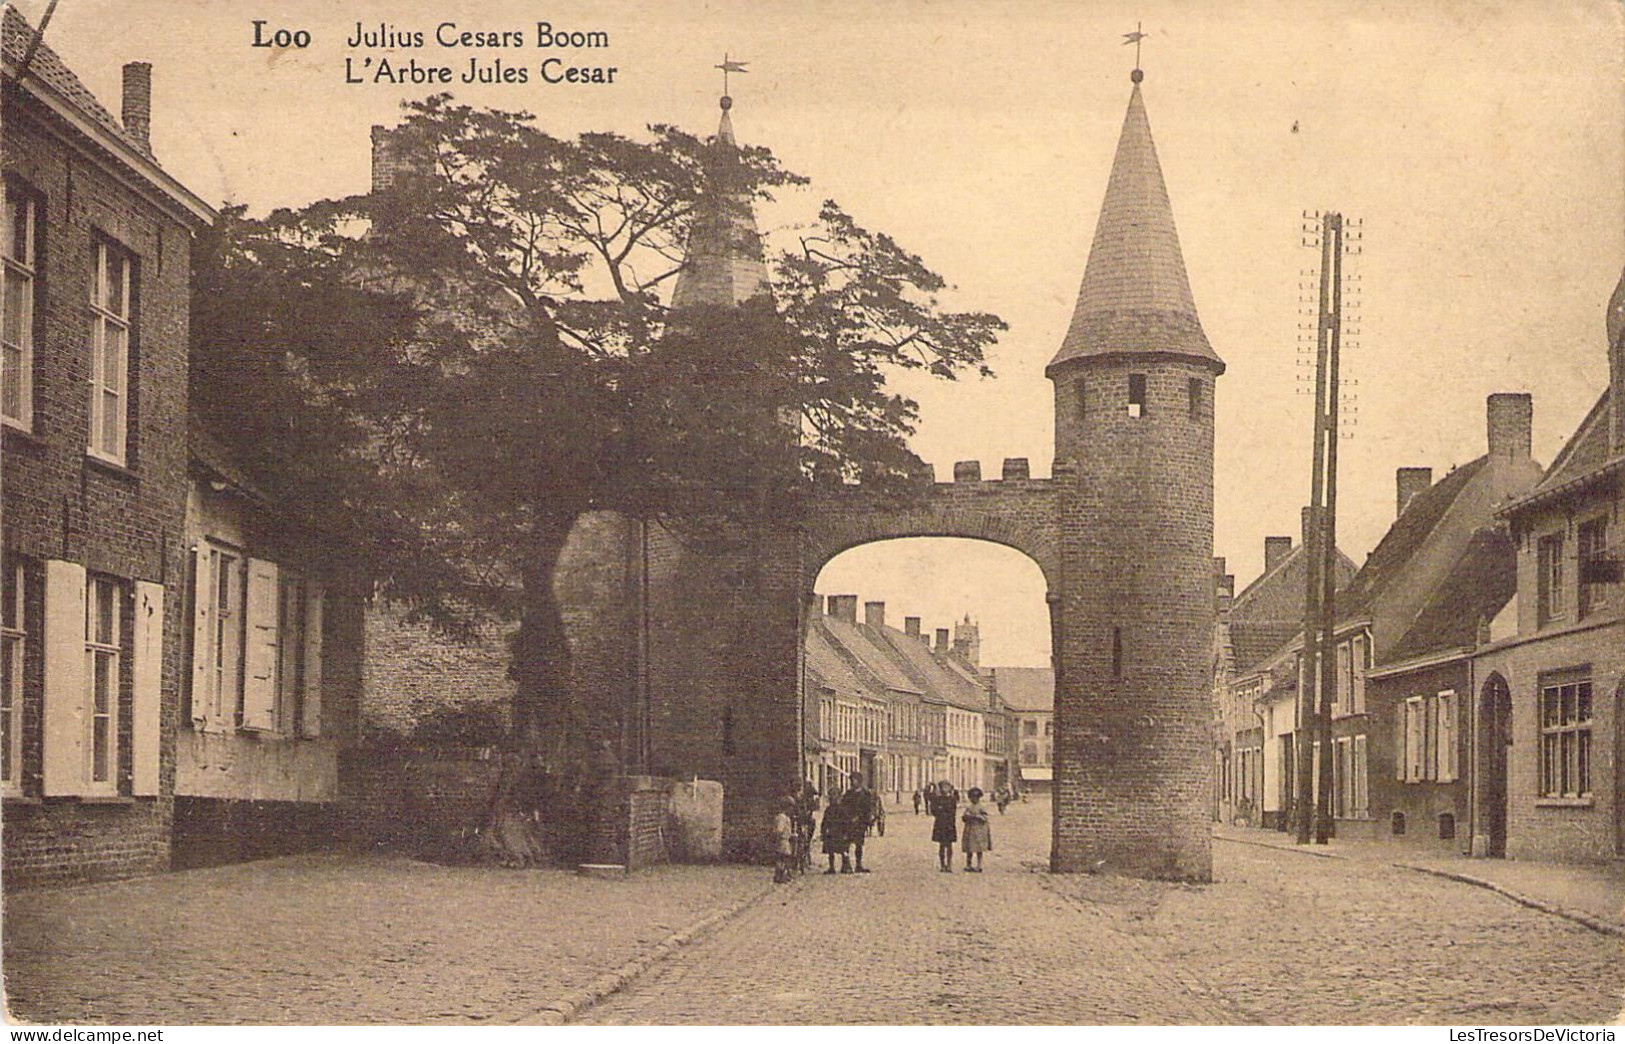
column 851, row 814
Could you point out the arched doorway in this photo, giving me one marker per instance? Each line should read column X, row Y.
column 1495, row 736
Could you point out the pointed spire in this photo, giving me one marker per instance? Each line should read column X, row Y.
column 1135, row 298
column 724, row 264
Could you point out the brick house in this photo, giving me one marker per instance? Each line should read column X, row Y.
column 1403, row 642
column 1544, row 721
column 93, row 407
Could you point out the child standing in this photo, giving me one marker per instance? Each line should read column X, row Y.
column 784, row 838
column 978, row 834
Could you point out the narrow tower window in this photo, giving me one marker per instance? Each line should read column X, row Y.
column 1117, row 653
column 1083, row 398
column 1136, row 394
column 1196, row 398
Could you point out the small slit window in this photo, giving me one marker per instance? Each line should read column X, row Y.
column 1083, row 399
column 1136, row 395
column 1196, row 398
column 1117, row 653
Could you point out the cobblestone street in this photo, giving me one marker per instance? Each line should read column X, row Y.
column 1282, row 937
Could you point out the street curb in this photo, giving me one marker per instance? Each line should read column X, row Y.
column 1299, row 849
column 1596, row 924
column 572, row 1004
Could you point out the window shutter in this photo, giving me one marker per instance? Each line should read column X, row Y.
column 202, row 646
column 64, row 644
column 1447, row 737
column 260, row 653
column 1361, row 800
column 312, row 725
column 147, row 670
column 1402, row 726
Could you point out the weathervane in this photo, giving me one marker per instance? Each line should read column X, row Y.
column 729, row 66
column 1134, row 38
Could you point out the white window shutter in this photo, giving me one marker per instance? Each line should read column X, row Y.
column 64, row 644
column 202, row 632
column 1447, row 737
column 260, row 650
column 312, row 724
column 147, row 670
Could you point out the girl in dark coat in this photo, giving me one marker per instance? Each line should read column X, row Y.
column 944, row 825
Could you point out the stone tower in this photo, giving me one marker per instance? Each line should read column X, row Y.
column 1134, row 382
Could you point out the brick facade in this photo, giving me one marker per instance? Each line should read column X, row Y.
column 120, row 522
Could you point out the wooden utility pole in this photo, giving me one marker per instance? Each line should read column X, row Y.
column 1332, row 322
column 1319, row 660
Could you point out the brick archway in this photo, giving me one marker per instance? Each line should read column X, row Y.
column 1016, row 511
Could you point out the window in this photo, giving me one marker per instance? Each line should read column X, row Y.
column 1136, row 394
column 1196, row 398
column 1550, row 564
column 1565, row 740
column 1049, row 727
column 1029, row 727
column 1029, row 753
column 103, row 609
column 1592, row 545
column 1083, row 398
column 1117, row 653
column 13, row 639
column 19, row 249
column 110, row 352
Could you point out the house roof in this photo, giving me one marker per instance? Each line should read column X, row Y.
column 50, row 79
column 1029, row 689
column 930, row 673
column 1135, row 296
column 1252, row 643
column 16, row 34
column 831, row 669
column 1404, row 539
column 1584, row 456
column 1480, row 583
column 859, row 646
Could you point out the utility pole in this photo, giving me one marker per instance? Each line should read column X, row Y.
column 1317, row 696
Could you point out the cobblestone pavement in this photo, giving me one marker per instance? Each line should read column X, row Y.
column 1280, row 938
column 340, row 939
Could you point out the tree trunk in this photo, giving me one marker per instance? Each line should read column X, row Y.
column 553, row 768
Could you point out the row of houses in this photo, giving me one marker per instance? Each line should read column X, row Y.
column 178, row 665
column 1479, row 655
column 903, row 711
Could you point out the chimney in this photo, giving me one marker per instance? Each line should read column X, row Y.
column 911, row 626
column 843, row 607
column 1276, row 548
column 874, row 614
column 1408, row 482
column 1510, row 416
column 137, row 104
column 942, row 639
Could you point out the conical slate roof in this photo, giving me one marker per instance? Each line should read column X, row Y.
column 1135, row 296
column 724, row 264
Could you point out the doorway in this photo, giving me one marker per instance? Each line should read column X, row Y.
column 1495, row 715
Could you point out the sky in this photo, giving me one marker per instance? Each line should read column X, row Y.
column 1480, row 142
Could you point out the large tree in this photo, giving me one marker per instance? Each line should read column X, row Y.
column 542, row 377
